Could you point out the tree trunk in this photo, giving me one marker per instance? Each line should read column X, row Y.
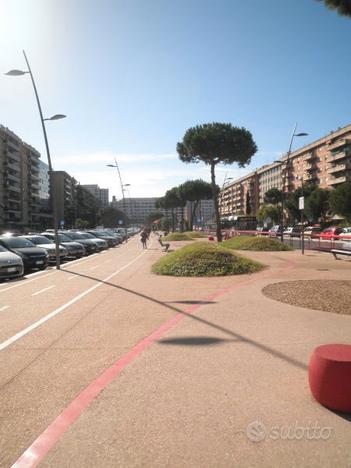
column 193, row 210
column 215, row 201
column 172, row 211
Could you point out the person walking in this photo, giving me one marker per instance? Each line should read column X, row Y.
column 143, row 238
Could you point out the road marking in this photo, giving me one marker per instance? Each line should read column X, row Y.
column 93, row 267
column 72, row 278
column 55, row 312
column 3, row 308
column 43, row 290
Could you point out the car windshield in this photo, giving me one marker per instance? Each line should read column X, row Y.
column 100, row 234
column 39, row 240
column 2, row 249
column 17, row 242
column 73, row 235
column 63, row 238
column 86, row 235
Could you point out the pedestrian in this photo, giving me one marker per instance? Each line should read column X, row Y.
column 143, row 238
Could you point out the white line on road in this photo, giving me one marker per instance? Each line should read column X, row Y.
column 43, row 290
column 3, row 308
column 72, row 277
column 52, row 314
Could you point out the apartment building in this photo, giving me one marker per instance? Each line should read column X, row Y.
column 138, row 209
column 326, row 163
column 204, row 212
column 20, row 182
column 66, row 202
column 100, row 194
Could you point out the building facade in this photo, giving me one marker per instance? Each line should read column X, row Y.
column 204, row 213
column 20, row 182
column 99, row 193
column 66, row 198
column 138, row 209
column 325, row 163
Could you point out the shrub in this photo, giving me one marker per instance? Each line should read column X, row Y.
column 264, row 244
column 177, row 236
column 204, row 259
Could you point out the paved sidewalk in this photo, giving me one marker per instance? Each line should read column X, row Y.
column 226, row 386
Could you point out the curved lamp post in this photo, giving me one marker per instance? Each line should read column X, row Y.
column 287, row 164
column 122, row 190
column 54, row 117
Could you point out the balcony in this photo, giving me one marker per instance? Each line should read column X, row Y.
column 337, row 156
column 13, row 177
column 309, row 157
column 338, row 144
column 310, row 178
column 337, row 168
column 312, row 169
column 11, row 164
column 337, row 180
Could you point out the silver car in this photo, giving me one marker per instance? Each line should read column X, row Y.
column 11, row 265
column 47, row 245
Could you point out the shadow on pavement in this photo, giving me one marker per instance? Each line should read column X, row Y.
column 190, row 302
column 194, row 341
column 231, row 333
column 346, row 416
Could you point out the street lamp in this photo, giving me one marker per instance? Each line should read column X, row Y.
column 287, row 165
column 122, row 190
column 54, row 117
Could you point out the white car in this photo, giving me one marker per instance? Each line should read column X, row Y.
column 346, row 234
column 11, row 265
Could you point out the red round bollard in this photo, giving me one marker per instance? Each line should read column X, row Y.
column 329, row 375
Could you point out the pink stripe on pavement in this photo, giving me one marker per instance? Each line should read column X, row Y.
column 47, row 439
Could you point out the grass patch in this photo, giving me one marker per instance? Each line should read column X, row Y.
column 263, row 244
column 204, row 259
column 177, row 236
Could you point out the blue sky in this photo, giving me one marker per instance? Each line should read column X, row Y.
column 133, row 75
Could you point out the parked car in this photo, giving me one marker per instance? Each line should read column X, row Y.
column 331, row 232
column 89, row 245
column 114, row 234
column 275, row 231
column 74, row 249
column 32, row 256
column 48, row 245
column 312, row 231
column 111, row 240
column 262, row 231
column 11, row 264
column 292, row 231
column 346, row 234
column 100, row 243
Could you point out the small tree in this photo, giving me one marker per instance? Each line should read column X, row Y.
column 81, row 223
column 216, row 143
column 194, row 191
column 111, row 217
column 317, row 205
column 340, row 200
column 273, row 196
column 154, row 216
column 269, row 211
column 292, row 201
